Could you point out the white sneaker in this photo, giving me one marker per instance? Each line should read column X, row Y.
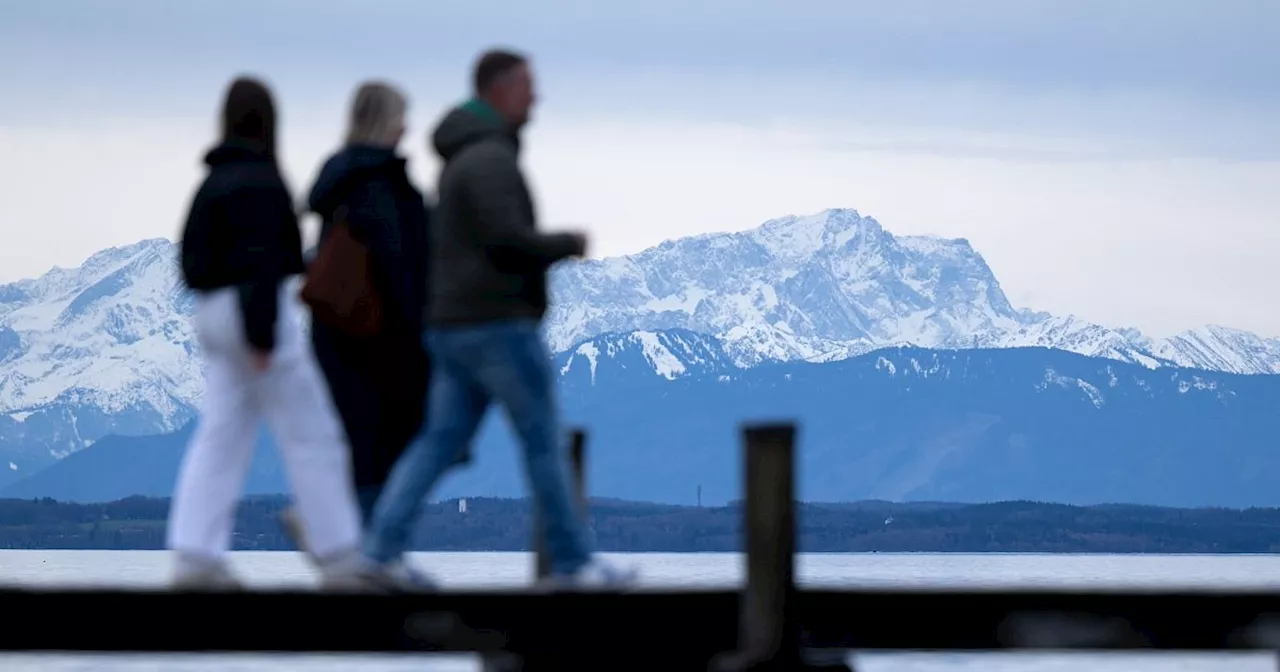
column 397, row 576
column 347, row 572
column 198, row 574
column 597, row 574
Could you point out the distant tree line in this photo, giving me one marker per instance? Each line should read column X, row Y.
column 137, row 523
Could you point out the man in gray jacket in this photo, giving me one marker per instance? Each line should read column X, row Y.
column 487, row 298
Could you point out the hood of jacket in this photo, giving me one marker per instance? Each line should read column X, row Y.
column 235, row 151
column 345, row 168
column 468, row 124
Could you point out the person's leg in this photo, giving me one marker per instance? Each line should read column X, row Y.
column 367, row 497
column 210, row 480
column 352, row 379
column 314, row 450
column 455, row 407
column 517, row 372
column 340, row 369
column 400, row 378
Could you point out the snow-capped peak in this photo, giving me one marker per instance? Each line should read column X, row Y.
column 114, row 332
column 794, row 239
column 1221, row 348
column 58, row 282
column 793, row 288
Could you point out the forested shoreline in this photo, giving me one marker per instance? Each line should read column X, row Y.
column 137, row 523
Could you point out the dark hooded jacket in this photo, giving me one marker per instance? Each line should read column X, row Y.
column 378, row 383
column 242, row 232
column 489, row 261
column 387, row 213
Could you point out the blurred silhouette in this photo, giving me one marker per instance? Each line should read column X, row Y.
column 377, row 373
column 240, row 246
column 488, row 295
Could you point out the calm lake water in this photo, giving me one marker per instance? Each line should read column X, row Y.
column 150, row 568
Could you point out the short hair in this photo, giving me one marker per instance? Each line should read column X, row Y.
column 492, row 65
column 377, row 110
column 249, row 114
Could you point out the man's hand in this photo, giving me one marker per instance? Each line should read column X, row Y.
column 581, row 240
column 261, row 360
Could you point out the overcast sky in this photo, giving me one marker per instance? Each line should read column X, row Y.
column 1119, row 160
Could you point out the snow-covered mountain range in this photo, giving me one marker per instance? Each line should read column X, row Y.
column 100, row 349
column 836, row 284
column 108, row 347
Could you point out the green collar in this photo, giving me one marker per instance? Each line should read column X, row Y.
column 483, row 110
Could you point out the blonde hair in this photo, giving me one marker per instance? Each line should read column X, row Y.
column 377, row 114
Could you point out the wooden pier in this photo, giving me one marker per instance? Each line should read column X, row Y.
column 768, row 625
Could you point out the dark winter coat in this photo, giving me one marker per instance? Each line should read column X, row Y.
column 489, row 261
column 242, row 232
column 378, row 383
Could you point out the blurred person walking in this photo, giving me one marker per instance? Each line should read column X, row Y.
column 488, row 295
column 240, row 248
column 373, row 238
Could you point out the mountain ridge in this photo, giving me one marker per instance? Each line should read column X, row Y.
column 836, row 284
column 108, row 347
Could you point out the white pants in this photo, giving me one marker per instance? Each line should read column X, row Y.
column 292, row 398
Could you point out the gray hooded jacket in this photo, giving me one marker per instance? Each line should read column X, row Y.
column 489, row 261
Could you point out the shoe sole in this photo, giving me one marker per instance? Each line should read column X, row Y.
column 567, row 585
column 207, row 586
column 390, row 585
column 358, row 585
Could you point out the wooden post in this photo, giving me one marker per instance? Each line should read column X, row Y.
column 577, row 458
column 541, row 563
column 770, row 537
column 769, row 635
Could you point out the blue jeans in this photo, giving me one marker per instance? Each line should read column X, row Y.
column 472, row 366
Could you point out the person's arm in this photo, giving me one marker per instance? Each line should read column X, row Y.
column 261, row 214
column 493, row 187
column 196, row 242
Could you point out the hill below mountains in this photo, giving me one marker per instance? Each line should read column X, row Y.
column 903, row 424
